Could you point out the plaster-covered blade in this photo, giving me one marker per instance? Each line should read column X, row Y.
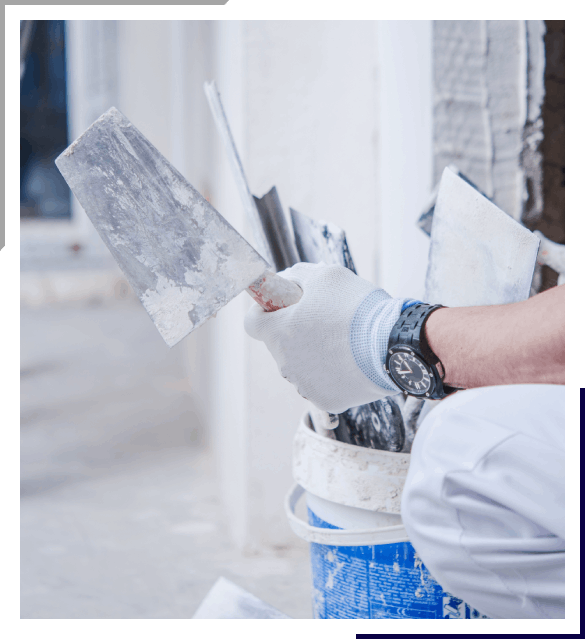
column 181, row 257
column 226, row 600
column 479, row 255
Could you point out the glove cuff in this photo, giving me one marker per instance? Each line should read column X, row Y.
column 370, row 328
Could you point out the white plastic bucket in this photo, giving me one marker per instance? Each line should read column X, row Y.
column 363, row 564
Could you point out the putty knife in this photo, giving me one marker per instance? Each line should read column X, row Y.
column 183, row 260
column 226, row 600
column 376, row 425
column 425, row 221
column 478, row 255
column 246, row 196
column 277, row 231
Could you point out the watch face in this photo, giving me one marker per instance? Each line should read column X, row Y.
column 409, row 373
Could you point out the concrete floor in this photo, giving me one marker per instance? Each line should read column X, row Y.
column 120, row 515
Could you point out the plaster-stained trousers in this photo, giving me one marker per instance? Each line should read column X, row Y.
column 484, row 499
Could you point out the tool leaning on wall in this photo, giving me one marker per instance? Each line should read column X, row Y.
column 377, row 425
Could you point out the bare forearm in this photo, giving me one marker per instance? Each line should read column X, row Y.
column 492, row 345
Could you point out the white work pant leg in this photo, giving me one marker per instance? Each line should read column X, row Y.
column 484, row 500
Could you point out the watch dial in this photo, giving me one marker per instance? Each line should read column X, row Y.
column 410, row 373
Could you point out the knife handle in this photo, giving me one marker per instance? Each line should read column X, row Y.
column 273, row 292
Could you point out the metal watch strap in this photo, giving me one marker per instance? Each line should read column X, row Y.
column 409, row 330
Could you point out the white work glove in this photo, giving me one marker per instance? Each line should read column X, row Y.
column 331, row 345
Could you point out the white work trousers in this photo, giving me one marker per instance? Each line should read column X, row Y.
column 484, row 500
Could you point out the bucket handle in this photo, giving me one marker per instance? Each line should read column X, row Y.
column 338, row 537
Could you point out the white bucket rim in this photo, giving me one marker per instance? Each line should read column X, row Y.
column 339, row 537
column 346, row 474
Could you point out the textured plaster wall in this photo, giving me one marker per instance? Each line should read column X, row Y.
column 499, row 116
column 480, row 105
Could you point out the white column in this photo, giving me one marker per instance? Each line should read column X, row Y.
column 178, row 76
column 303, row 106
column 406, row 153
column 229, row 367
column 312, row 107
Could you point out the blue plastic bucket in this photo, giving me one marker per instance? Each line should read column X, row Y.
column 369, row 573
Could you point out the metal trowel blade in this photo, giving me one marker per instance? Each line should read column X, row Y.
column 479, row 255
column 183, row 260
column 226, row 600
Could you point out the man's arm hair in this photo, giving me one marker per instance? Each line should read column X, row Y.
column 521, row 343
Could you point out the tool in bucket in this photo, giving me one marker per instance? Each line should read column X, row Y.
column 380, row 424
column 375, row 425
column 266, row 218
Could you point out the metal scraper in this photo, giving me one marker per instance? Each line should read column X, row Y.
column 226, row 600
column 479, row 255
column 183, row 260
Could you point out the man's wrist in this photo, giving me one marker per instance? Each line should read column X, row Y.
column 434, row 329
column 370, row 328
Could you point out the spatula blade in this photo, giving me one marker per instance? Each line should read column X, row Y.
column 479, row 255
column 226, row 600
column 183, row 260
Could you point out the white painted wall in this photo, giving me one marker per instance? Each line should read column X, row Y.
column 228, row 365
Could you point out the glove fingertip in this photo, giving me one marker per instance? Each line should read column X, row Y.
column 253, row 321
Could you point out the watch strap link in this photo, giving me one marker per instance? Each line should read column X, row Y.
column 409, row 330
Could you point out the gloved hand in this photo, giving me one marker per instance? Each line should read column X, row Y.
column 332, row 344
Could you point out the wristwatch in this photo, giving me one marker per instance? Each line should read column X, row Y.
column 410, row 362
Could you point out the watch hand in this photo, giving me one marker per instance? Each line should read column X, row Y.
column 408, row 370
